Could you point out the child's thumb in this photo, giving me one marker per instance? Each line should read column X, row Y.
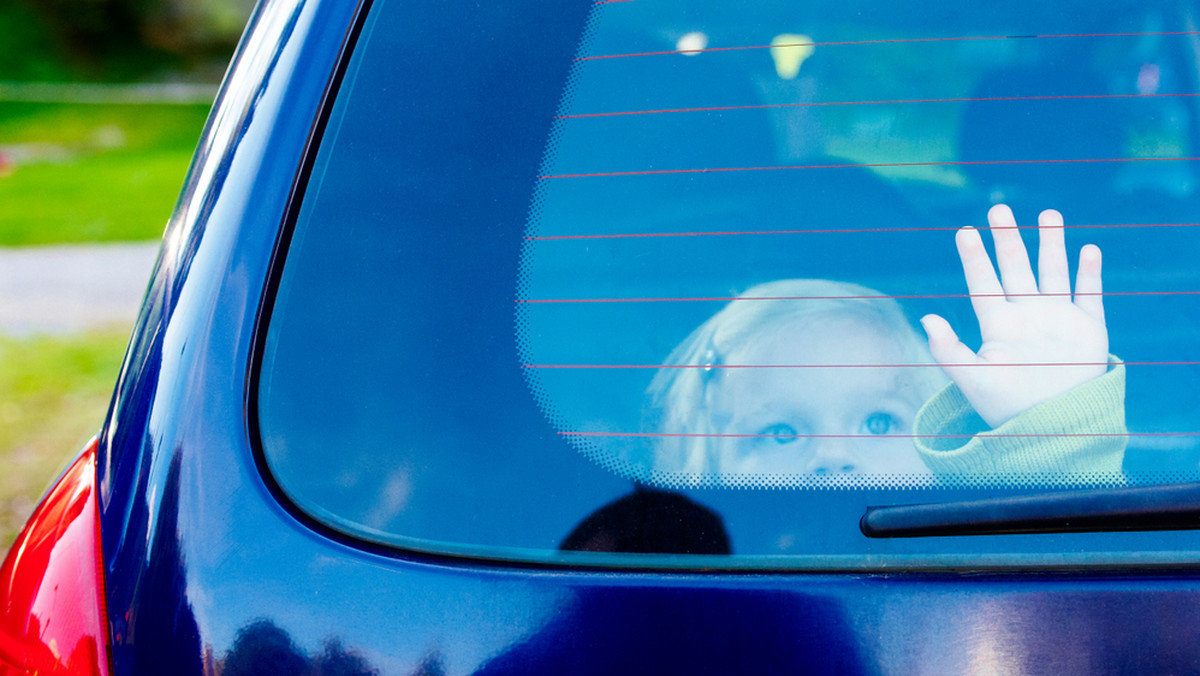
column 944, row 344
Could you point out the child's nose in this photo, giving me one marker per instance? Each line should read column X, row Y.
column 833, row 455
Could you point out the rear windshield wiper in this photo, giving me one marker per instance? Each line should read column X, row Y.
column 1144, row 508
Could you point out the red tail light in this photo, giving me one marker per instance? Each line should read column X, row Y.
column 52, row 616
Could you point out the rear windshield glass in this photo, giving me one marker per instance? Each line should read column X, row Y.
column 652, row 277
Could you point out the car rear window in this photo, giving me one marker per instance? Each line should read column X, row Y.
column 601, row 281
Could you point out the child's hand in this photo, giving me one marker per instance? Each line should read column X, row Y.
column 1023, row 320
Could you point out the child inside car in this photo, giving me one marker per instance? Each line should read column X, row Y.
column 802, row 377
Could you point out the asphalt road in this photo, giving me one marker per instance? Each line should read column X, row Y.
column 63, row 289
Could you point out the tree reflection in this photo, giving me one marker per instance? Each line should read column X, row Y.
column 263, row 648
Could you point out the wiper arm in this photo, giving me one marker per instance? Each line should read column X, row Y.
column 1148, row 508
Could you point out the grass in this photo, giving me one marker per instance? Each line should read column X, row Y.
column 73, row 173
column 83, row 173
column 54, row 392
column 92, row 172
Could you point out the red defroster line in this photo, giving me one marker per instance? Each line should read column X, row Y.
column 833, row 231
column 874, row 165
column 881, row 102
column 873, row 436
column 844, row 366
column 885, row 42
column 531, row 301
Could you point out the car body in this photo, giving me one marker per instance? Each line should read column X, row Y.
column 220, row 550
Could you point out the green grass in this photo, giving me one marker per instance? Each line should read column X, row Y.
column 93, row 173
column 54, row 392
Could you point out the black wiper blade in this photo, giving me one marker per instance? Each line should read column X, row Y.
column 1144, row 508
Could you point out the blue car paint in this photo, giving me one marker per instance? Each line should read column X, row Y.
column 205, row 563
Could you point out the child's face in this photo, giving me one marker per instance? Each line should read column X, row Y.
column 837, row 404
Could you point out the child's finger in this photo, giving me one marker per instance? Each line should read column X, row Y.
column 1088, row 287
column 1016, row 275
column 944, row 345
column 1053, row 275
column 982, row 283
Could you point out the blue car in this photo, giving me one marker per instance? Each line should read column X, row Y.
column 651, row 336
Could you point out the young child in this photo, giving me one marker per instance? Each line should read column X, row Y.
column 821, row 377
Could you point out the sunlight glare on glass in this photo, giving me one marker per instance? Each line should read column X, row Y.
column 691, row 44
column 790, row 50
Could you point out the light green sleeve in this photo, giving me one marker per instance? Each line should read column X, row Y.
column 1077, row 438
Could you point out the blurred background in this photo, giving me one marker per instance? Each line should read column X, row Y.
column 102, row 103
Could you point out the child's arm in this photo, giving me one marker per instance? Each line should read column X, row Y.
column 1024, row 321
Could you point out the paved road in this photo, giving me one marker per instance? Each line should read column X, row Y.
column 62, row 289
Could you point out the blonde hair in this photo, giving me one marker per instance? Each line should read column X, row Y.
column 677, row 397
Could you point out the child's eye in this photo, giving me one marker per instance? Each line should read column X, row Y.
column 880, row 423
column 780, row 433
